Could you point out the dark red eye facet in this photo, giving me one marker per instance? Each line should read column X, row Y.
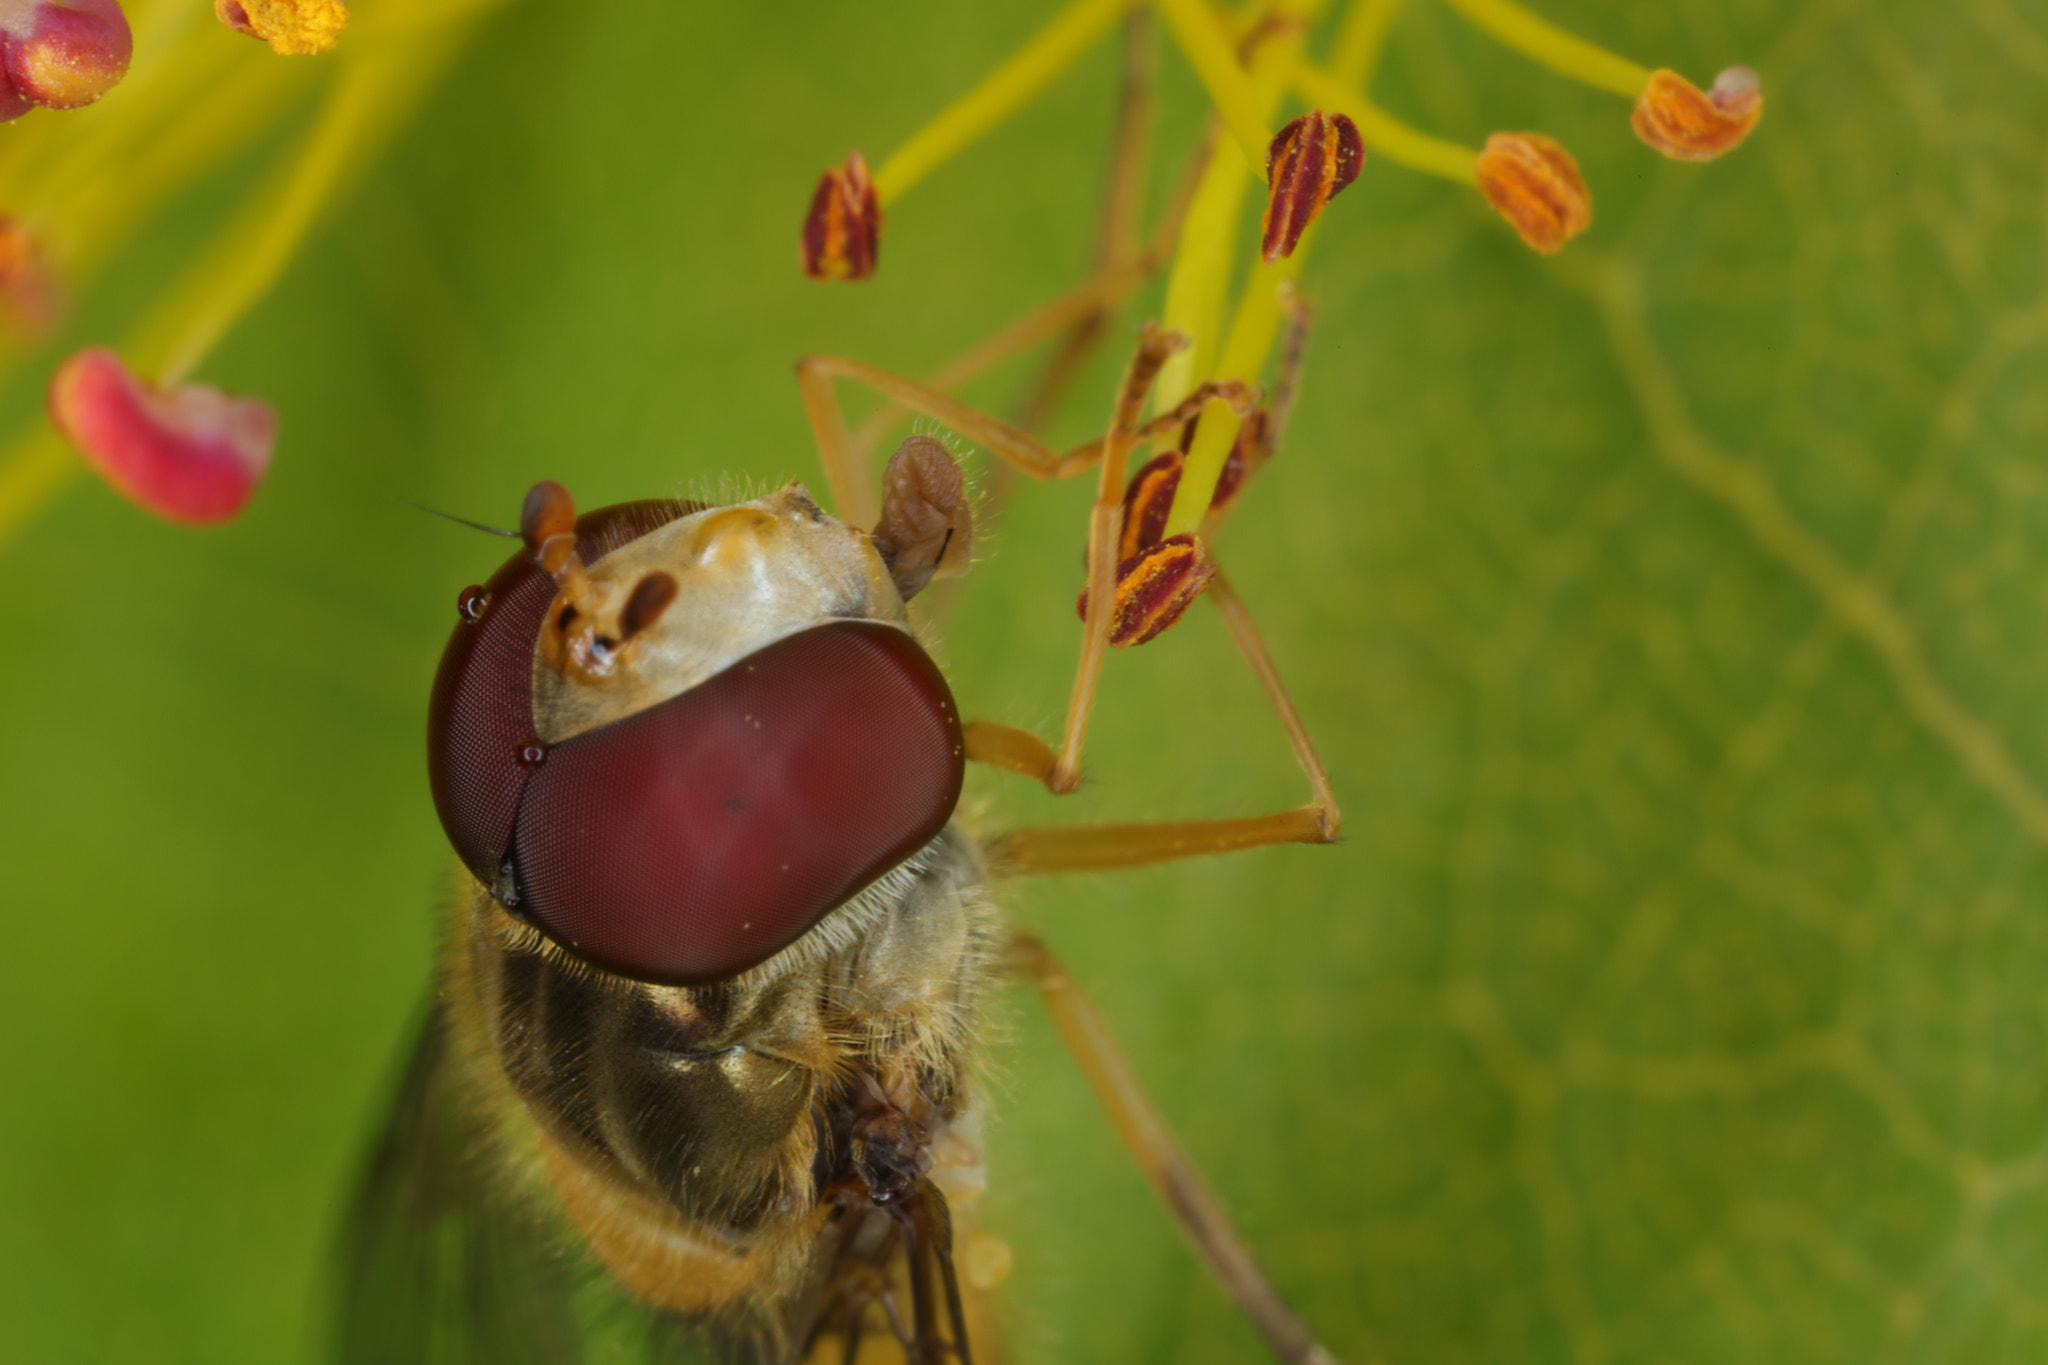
column 703, row 835
column 480, row 721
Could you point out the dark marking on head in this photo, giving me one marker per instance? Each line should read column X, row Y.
column 650, row 598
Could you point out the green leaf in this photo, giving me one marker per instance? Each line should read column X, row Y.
column 1665, row 611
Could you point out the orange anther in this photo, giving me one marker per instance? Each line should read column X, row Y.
column 1533, row 183
column 295, row 28
column 1687, row 124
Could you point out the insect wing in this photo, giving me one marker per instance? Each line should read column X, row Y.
column 437, row 1266
column 440, row 1264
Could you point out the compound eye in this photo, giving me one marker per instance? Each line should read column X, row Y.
column 481, row 743
column 697, row 838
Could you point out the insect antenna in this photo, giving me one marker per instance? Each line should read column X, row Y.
column 459, row 521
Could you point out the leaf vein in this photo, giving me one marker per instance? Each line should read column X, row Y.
column 1864, row 610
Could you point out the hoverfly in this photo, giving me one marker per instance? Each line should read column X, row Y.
column 702, row 1076
column 706, row 1030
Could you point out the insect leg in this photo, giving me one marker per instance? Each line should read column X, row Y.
column 1105, row 526
column 853, row 498
column 1080, row 316
column 851, row 494
column 1145, row 1135
column 927, row 1230
column 1083, row 848
column 1020, row 751
column 1081, row 312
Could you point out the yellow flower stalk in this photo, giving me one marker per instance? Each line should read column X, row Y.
column 77, row 186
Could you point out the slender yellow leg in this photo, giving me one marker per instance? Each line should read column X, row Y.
column 856, row 501
column 1094, row 848
column 1105, row 529
column 1147, row 1138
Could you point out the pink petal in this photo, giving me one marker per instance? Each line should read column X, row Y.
column 191, row 454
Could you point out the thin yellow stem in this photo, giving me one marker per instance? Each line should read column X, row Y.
column 1042, row 59
column 1384, row 134
column 370, row 93
column 1208, row 50
column 1252, row 329
column 119, row 189
column 1542, row 41
column 1198, row 286
column 1199, row 283
column 252, row 255
column 1362, row 38
column 31, row 472
column 373, row 92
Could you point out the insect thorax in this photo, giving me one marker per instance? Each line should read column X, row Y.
column 700, row 1140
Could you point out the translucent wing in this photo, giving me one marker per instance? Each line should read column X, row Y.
column 438, row 1265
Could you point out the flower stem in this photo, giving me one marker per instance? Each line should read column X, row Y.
column 370, row 94
column 1252, row 330
column 1540, row 40
column 1043, row 59
column 373, row 91
column 248, row 260
column 1361, row 39
column 1199, row 282
column 1203, row 42
column 31, row 472
column 1198, row 285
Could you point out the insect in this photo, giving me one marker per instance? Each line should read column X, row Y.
column 710, row 990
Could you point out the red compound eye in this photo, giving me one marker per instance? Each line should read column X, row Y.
column 480, row 721
column 701, row 836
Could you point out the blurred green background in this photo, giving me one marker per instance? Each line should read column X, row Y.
column 1667, row 612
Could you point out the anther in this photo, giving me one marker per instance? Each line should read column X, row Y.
column 1148, row 497
column 1533, row 183
column 60, row 54
column 1677, row 118
column 189, row 454
column 1308, row 164
column 1154, row 590
column 294, row 28
column 843, row 230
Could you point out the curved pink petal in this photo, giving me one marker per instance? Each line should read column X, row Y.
column 190, row 454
